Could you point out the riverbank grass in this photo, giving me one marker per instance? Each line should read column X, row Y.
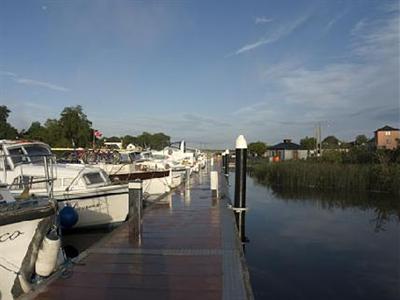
column 329, row 176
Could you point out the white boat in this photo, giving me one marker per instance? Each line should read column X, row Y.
column 152, row 170
column 87, row 189
column 23, row 226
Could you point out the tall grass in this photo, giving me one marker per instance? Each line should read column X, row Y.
column 330, row 176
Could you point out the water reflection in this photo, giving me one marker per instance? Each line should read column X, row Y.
column 241, row 225
column 384, row 206
column 310, row 245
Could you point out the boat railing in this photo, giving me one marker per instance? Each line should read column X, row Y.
column 14, row 173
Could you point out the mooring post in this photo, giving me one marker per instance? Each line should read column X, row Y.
column 135, row 208
column 240, row 178
column 214, row 182
column 223, row 162
column 187, row 177
column 226, row 167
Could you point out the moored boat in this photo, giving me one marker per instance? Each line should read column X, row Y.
column 23, row 227
column 89, row 190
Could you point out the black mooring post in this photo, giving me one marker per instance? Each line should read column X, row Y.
column 226, row 166
column 240, row 177
column 135, row 208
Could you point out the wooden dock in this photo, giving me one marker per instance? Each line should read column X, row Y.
column 189, row 250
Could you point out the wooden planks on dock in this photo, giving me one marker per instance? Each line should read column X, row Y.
column 188, row 250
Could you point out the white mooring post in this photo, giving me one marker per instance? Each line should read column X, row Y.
column 135, row 208
column 214, row 181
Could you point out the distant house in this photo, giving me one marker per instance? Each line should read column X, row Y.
column 287, row 151
column 113, row 145
column 387, row 137
column 132, row 147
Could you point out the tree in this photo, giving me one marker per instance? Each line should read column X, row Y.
column 128, row 139
column 113, row 139
column 159, row 141
column 36, row 132
column 75, row 126
column 361, row 140
column 331, row 142
column 308, row 143
column 54, row 135
column 6, row 130
column 257, row 148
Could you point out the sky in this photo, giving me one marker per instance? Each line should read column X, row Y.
column 204, row 71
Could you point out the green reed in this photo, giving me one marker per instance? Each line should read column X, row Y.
column 329, row 176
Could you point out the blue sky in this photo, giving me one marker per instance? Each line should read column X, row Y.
column 205, row 71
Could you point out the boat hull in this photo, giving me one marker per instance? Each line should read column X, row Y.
column 21, row 234
column 100, row 207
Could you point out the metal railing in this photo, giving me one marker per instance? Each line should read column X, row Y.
column 12, row 171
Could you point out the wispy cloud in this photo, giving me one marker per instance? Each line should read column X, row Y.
column 9, row 74
column 262, row 20
column 32, row 82
column 334, row 20
column 276, row 35
column 358, row 27
column 364, row 87
column 252, row 46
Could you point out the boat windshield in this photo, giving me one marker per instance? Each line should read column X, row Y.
column 17, row 155
column 36, row 152
column 124, row 158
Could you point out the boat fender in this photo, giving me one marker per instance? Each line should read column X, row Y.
column 68, row 217
column 25, row 284
column 48, row 253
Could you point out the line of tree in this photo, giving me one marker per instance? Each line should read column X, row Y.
column 332, row 142
column 73, row 129
column 6, row 130
column 257, row 149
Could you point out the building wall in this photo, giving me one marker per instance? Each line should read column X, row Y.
column 387, row 139
column 303, row 154
column 288, row 154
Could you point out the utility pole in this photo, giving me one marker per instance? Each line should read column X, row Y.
column 318, row 133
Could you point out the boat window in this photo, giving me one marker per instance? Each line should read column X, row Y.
column 124, row 158
column 93, row 178
column 36, row 152
column 17, row 155
column 134, row 156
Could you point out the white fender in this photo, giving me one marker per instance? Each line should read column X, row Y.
column 47, row 256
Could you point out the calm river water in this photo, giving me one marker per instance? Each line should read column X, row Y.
column 314, row 247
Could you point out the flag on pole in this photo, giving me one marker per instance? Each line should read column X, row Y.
column 98, row 134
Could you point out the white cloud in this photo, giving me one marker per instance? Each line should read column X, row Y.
column 334, row 20
column 262, row 20
column 276, row 35
column 344, row 93
column 252, row 46
column 48, row 85
column 33, row 82
column 9, row 74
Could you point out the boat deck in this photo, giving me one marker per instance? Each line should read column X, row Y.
column 188, row 250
